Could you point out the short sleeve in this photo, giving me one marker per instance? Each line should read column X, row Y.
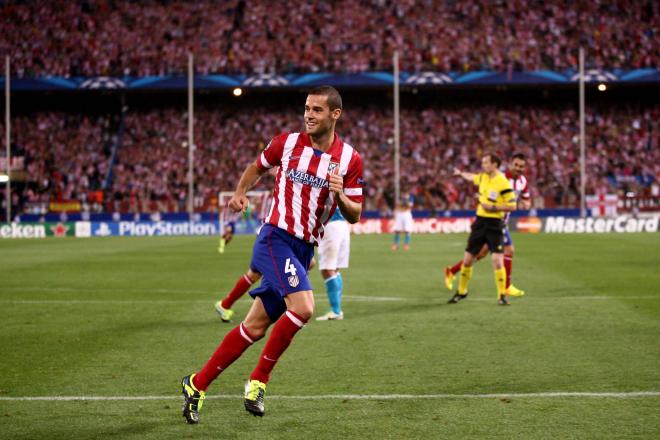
column 353, row 180
column 272, row 154
column 476, row 179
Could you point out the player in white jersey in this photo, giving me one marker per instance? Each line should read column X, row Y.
column 515, row 175
column 403, row 223
column 334, row 250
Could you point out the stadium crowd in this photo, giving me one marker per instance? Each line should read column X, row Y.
column 68, row 155
column 117, row 38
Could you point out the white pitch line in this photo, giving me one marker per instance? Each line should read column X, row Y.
column 559, row 394
column 349, row 298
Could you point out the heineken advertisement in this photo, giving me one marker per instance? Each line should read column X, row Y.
column 38, row 230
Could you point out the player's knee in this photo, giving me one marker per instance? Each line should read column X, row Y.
column 508, row 251
column 326, row 273
column 302, row 304
column 256, row 329
column 253, row 276
column 305, row 312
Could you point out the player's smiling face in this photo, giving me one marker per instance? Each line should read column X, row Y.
column 319, row 119
column 517, row 167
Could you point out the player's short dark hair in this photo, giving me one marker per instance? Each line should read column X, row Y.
column 334, row 98
column 494, row 158
column 520, row 156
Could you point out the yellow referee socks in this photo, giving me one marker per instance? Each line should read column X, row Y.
column 464, row 279
column 500, row 281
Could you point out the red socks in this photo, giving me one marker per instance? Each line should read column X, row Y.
column 508, row 262
column 456, row 267
column 230, row 349
column 242, row 285
column 285, row 329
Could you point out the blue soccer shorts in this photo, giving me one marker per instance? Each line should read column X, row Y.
column 507, row 236
column 283, row 260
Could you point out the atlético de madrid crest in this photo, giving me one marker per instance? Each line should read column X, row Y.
column 332, row 168
column 294, row 281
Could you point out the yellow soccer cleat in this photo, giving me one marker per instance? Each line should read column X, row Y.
column 193, row 399
column 254, row 397
column 514, row 291
column 225, row 314
column 449, row 278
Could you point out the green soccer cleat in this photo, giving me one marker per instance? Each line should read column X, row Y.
column 225, row 314
column 193, row 399
column 254, row 397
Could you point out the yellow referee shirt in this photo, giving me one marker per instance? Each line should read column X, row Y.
column 495, row 190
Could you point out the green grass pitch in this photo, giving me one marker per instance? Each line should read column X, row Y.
column 128, row 317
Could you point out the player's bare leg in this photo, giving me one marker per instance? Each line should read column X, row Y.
column 233, row 345
column 451, row 271
column 300, row 307
column 243, row 284
column 508, row 266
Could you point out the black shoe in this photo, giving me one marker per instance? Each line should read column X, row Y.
column 193, row 399
column 254, row 397
column 456, row 298
column 503, row 301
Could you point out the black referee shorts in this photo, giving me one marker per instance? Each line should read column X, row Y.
column 486, row 230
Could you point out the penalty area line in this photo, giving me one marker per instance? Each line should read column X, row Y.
column 543, row 395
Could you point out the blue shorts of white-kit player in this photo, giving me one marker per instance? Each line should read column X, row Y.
column 283, row 260
column 507, row 236
column 335, row 246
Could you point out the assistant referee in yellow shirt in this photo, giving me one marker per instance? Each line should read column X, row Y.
column 496, row 198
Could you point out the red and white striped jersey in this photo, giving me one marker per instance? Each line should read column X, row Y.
column 302, row 202
column 519, row 185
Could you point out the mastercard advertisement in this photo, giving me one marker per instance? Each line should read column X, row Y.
column 529, row 224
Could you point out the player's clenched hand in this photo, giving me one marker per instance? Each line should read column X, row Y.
column 238, row 203
column 336, row 183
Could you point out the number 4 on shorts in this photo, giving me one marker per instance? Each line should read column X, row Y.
column 289, row 268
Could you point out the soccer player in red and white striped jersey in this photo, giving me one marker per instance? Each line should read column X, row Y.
column 318, row 173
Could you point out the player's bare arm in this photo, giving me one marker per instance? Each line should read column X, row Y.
column 465, row 175
column 350, row 210
column 239, row 201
